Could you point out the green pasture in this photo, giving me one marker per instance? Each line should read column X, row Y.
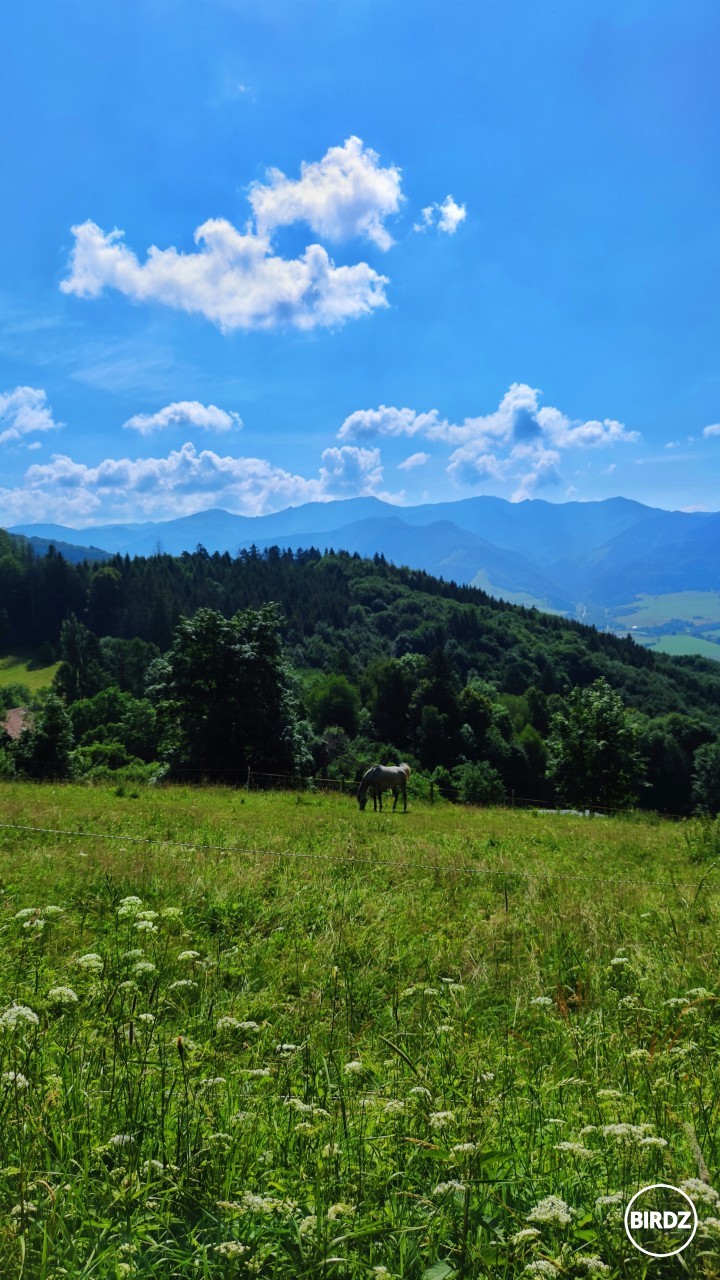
column 684, row 645
column 23, row 669
column 247, row 1034
column 701, row 608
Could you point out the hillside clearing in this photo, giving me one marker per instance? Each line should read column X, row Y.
column 263, row 1031
column 22, row 669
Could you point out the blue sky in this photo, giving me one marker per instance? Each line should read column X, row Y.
column 399, row 249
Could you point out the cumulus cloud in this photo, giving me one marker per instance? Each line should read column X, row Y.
column 446, row 216
column 344, row 195
column 26, row 411
column 234, row 279
column 414, row 460
column 365, row 424
column 185, row 481
column 520, row 442
column 713, row 430
column 185, row 413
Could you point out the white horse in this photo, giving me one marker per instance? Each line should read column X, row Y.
column 382, row 777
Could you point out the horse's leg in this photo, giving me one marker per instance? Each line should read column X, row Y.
column 404, row 791
column 379, row 796
column 396, row 792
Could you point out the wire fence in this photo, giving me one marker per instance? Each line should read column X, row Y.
column 506, row 877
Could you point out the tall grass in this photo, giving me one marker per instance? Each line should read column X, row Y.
column 350, row 1045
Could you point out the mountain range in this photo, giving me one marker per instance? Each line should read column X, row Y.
column 599, row 561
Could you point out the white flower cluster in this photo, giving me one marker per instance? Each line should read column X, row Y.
column 551, row 1212
column 18, row 1014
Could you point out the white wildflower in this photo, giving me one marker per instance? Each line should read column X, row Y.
column 444, row 1028
column 91, row 963
column 145, row 926
column 52, row 912
column 171, row 913
column 393, row 1107
column 136, row 953
column 144, row 966
column 639, row 1055
column 420, row 1091
column 121, row 1140
column 701, row 1192
column 15, row 1079
column 552, row 1211
column 700, row 993
column 675, row 1001
column 592, row 1264
column 62, row 995
column 182, row 984
column 330, row 1149
column 355, row 1068
column 588, row 1128
column 710, row 1226
column 430, row 991
column 147, row 1018
column 227, row 1024
column 27, row 913
column 609, row 1093
column 625, row 1132
column 308, row 1226
column 440, row 1119
column 544, row 1001
column 653, row 1142
column 212, row 1082
column 340, row 1210
column 287, row 1048
column 189, row 955
column 524, row 1236
column 541, row 1267
column 257, row 1073
column 443, row 1188
column 574, row 1149
column 615, row 1197
column 231, row 1249
column 464, row 1148
column 18, row 1014
column 455, row 987
column 249, row 1026
column 619, row 960
column 147, row 915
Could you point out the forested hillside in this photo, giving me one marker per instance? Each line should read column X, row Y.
column 374, row 660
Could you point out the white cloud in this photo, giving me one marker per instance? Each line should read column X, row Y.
column 344, row 195
column 185, row 413
column 446, row 216
column 185, row 481
column 414, row 460
column 713, row 430
column 234, row 279
column 26, row 411
column 365, row 424
column 520, row 441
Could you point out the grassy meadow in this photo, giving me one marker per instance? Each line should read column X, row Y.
column 267, row 1035
column 18, row 668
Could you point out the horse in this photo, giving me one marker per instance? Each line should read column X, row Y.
column 382, row 777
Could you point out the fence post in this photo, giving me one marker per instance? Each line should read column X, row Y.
column 432, row 791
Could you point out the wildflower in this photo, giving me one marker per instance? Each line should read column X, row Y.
column 52, row 912
column 629, row 1002
column 393, row 1107
column 653, row 1142
column 125, row 1268
column 625, row 1132
column 464, row 1148
column 15, row 1078
column 147, row 1018
column 340, row 1210
column 442, row 1188
column 588, row 1128
column 330, row 1149
column 17, row 1210
column 181, row 984
column 710, row 1226
column 353, row 1068
column 92, row 963
column 304, row 1127
column 701, row 1192
column 189, row 955
column 27, row 913
column 551, row 1211
column 16, row 1015
column 121, row 1140
column 287, row 1048
column 145, row 926
column 129, row 908
column 38, row 924
column 227, row 1024
column 487, row 1076
column 527, row 1234
column 131, row 901
column 136, row 953
column 541, row 1267
column 128, row 985
column 700, row 993
column 544, row 1001
column 575, row 1149
column 260, row 1073
column 144, row 966
column 444, row 1028
column 171, row 913
column 639, row 1055
column 439, row 1119
column 619, row 960
column 430, row 991
column 593, row 1265
column 381, row 1273
column 674, row 1001
column 212, row 1082
column 554, row 1120
column 455, row 987
column 249, row 1026
column 615, row 1197
column 62, row 995
column 308, row 1226
column 220, row 1139
column 609, row 1093
column 152, row 1166
column 231, row 1249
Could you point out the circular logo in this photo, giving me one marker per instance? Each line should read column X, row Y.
column 661, row 1220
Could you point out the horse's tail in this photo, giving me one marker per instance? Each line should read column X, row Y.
column 406, row 768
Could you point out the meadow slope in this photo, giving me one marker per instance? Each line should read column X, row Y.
column 267, row 1035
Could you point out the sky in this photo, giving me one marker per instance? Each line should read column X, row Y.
column 256, row 253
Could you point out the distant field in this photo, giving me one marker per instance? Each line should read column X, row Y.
column 683, row 645
column 266, row 1035
column 15, row 669
column 698, row 607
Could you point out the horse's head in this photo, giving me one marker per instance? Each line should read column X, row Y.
column 362, row 797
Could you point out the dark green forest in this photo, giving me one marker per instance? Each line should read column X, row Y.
column 204, row 666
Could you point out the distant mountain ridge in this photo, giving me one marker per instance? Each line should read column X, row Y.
column 579, row 558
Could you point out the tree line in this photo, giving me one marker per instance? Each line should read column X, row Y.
column 185, row 666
